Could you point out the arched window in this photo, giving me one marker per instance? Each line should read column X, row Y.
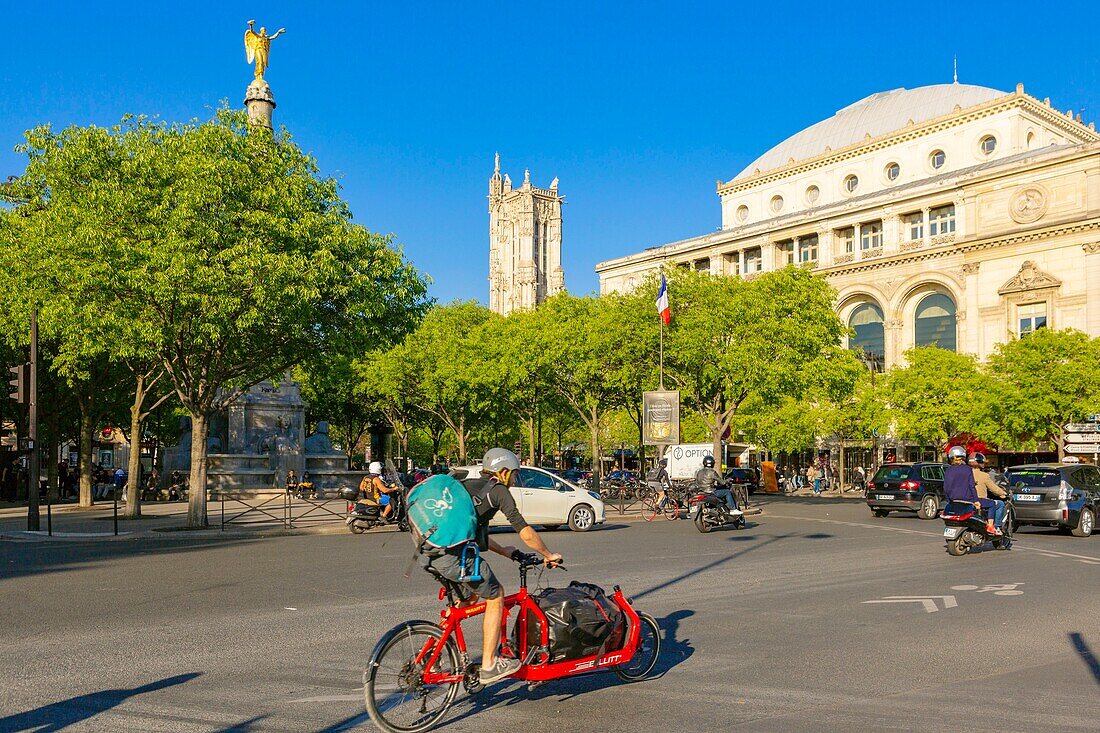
column 935, row 322
column 869, row 337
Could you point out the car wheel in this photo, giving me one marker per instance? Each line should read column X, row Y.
column 880, row 512
column 1085, row 524
column 551, row 527
column 929, row 507
column 581, row 518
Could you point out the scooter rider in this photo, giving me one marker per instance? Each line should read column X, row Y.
column 708, row 480
column 988, row 489
column 959, row 484
column 491, row 495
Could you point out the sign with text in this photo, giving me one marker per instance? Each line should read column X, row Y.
column 1083, row 437
column 1083, row 448
column 661, row 417
column 1082, row 427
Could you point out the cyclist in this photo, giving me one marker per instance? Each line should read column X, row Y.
column 490, row 495
column 659, row 480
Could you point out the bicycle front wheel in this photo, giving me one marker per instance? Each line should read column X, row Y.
column 397, row 698
column 651, row 508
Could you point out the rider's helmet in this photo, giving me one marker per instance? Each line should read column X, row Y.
column 375, row 468
column 957, row 451
column 708, row 461
column 498, row 460
column 978, row 458
column 663, row 463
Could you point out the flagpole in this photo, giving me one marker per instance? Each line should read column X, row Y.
column 662, row 322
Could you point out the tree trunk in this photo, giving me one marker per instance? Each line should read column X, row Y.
column 531, row 455
column 133, row 469
column 460, row 436
column 840, row 463
column 716, row 431
column 86, row 427
column 594, row 437
column 196, row 484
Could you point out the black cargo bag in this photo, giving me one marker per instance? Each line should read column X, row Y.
column 581, row 621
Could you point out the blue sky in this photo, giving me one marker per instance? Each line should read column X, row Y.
column 637, row 108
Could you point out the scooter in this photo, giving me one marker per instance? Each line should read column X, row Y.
column 965, row 528
column 710, row 511
column 362, row 517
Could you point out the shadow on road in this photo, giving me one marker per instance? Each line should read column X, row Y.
column 59, row 715
column 242, row 727
column 1086, row 654
column 18, row 559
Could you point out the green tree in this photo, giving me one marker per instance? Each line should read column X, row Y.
column 233, row 257
column 331, row 385
column 936, row 395
column 1043, row 381
column 770, row 338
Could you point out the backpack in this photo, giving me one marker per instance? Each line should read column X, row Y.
column 654, row 475
column 441, row 513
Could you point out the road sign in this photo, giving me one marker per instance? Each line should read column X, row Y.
column 1083, row 437
column 17, row 384
column 1082, row 427
column 1083, row 448
column 1093, row 418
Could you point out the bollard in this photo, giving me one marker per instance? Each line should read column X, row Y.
column 49, row 515
column 114, row 495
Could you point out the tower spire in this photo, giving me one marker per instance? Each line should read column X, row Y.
column 956, row 69
column 496, row 163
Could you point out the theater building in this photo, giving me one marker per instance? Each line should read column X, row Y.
column 951, row 214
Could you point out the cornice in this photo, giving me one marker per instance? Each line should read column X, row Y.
column 1017, row 99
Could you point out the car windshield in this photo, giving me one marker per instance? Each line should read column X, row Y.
column 888, row 473
column 1038, row 478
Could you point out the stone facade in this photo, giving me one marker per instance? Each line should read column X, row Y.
column 524, row 243
column 992, row 206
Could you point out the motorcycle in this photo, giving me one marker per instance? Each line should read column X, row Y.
column 362, row 517
column 709, row 511
column 965, row 528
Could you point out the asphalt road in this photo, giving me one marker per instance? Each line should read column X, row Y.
column 765, row 629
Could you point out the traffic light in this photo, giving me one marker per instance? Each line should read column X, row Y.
column 17, row 385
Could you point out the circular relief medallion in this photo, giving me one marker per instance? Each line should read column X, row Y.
column 1028, row 205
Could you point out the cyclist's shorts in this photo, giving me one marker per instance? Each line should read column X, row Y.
column 384, row 500
column 448, row 565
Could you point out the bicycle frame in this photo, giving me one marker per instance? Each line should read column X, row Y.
column 451, row 619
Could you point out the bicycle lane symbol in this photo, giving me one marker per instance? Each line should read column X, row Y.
column 1002, row 589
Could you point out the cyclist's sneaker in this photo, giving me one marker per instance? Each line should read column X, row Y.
column 501, row 668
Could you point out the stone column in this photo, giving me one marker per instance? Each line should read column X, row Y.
column 927, row 238
column 960, row 215
column 891, row 233
column 967, row 329
column 260, row 103
column 1092, row 275
column 824, row 247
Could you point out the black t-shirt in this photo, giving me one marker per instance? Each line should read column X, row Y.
column 490, row 496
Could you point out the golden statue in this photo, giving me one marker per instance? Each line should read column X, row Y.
column 257, row 47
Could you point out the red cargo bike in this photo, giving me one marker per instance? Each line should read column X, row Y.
column 416, row 669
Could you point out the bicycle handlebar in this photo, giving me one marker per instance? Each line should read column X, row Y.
column 531, row 559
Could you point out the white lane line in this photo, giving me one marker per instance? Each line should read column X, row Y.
column 1015, row 543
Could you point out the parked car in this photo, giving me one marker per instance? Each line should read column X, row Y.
column 575, row 475
column 907, row 487
column 1056, row 495
column 547, row 500
column 743, row 476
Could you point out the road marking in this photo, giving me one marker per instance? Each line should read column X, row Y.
column 1003, row 589
column 928, row 601
column 288, row 608
column 1085, row 559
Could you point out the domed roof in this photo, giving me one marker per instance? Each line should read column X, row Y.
column 875, row 115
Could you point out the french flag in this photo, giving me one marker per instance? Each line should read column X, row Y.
column 662, row 302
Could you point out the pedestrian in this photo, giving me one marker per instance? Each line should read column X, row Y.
column 859, row 479
column 814, row 475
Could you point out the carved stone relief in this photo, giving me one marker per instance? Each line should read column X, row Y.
column 1030, row 277
column 1028, row 204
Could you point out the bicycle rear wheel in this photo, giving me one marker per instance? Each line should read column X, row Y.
column 672, row 509
column 397, row 698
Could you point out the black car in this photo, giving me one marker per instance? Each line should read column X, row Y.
column 907, row 487
column 1056, row 495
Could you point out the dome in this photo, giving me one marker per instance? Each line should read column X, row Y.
column 875, row 115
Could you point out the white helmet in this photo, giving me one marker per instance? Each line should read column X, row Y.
column 957, row 451
column 375, row 467
column 498, row 459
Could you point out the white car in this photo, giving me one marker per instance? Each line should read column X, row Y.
column 547, row 500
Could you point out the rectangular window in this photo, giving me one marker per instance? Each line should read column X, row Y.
column 785, row 250
column 941, row 220
column 732, row 263
column 807, row 249
column 753, row 261
column 870, row 235
column 848, row 238
column 915, row 225
column 703, row 265
column 1032, row 317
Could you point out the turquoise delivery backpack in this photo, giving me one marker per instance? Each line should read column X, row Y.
column 442, row 516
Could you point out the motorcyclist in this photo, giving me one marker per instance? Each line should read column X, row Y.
column 959, row 484
column 710, row 481
column 988, row 489
column 374, row 491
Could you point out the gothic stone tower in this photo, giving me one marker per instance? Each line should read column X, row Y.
column 524, row 243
